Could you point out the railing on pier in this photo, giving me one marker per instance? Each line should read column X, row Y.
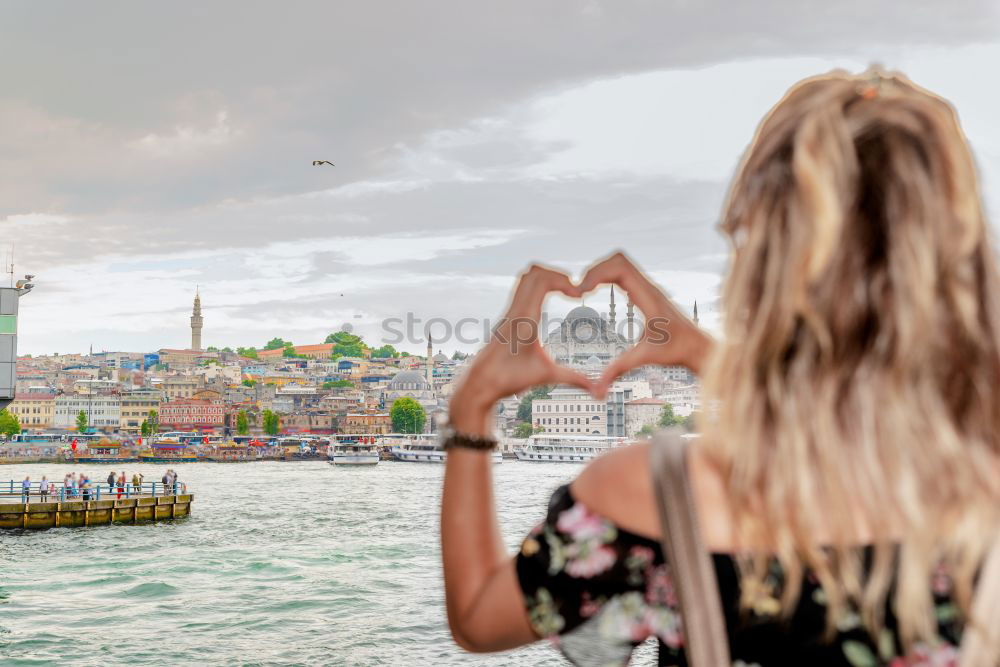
column 60, row 493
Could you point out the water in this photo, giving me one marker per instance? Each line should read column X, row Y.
column 279, row 563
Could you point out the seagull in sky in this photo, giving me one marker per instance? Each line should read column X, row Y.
column 318, row 162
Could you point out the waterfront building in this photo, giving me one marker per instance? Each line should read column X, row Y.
column 570, row 410
column 367, row 423
column 135, row 407
column 312, row 421
column 190, row 412
column 103, row 411
column 618, row 395
column 641, row 412
column 35, row 410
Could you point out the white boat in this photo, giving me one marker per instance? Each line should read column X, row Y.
column 566, row 448
column 427, row 449
column 353, row 454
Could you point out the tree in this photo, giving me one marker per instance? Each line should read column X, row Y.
column 242, row 426
column 153, row 417
column 211, row 348
column 81, row 421
column 407, row 416
column 691, row 422
column 384, row 352
column 144, row 429
column 523, row 430
column 10, row 425
column 646, row 431
column 227, row 349
column 524, row 407
column 668, row 418
column 248, row 352
column 272, row 423
column 247, row 382
column 290, row 353
column 276, row 344
column 459, row 356
column 347, row 344
column 333, row 384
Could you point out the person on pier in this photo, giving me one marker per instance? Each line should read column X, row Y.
column 847, row 480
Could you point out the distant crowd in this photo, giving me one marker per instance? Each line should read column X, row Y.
column 82, row 487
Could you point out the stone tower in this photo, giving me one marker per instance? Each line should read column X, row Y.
column 430, row 360
column 196, row 322
column 696, row 313
column 611, row 310
column 631, row 319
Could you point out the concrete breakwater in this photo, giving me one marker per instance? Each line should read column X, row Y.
column 94, row 512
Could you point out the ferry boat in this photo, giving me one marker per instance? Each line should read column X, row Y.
column 566, row 448
column 353, row 454
column 105, row 451
column 427, row 449
column 231, row 452
column 168, row 450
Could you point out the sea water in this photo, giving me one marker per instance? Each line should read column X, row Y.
column 297, row 563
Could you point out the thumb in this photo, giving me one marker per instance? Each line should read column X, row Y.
column 562, row 375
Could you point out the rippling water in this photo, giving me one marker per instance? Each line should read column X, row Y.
column 279, row 563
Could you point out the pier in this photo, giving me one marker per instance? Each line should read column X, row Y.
column 91, row 507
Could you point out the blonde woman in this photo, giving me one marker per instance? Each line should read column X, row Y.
column 847, row 484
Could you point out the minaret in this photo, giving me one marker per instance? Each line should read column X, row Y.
column 630, row 318
column 696, row 313
column 611, row 312
column 430, row 360
column 196, row 322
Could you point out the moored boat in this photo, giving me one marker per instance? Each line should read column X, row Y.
column 427, row 449
column 168, row 450
column 566, row 448
column 353, row 454
column 105, row 451
column 231, row 452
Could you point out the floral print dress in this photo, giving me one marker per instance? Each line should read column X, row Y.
column 597, row 592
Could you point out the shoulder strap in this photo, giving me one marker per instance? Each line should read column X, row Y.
column 981, row 641
column 705, row 638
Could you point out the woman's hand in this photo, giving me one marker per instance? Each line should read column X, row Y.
column 668, row 337
column 513, row 360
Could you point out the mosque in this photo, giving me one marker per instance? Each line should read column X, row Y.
column 585, row 338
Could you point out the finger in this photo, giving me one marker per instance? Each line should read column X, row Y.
column 626, row 361
column 535, row 284
column 619, row 270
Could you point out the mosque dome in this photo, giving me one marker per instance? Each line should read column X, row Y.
column 592, row 360
column 582, row 313
column 408, row 380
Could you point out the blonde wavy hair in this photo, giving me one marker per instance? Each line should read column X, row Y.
column 856, row 389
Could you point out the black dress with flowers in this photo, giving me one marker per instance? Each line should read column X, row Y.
column 597, row 592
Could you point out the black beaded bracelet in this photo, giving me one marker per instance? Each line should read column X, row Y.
column 462, row 441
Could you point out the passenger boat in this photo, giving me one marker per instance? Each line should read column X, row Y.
column 427, row 449
column 353, row 454
column 566, row 448
column 231, row 452
column 168, row 450
column 105, row 451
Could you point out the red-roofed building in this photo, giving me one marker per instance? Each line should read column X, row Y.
column 319, row 351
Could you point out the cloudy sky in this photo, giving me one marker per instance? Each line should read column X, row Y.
column 146, row 149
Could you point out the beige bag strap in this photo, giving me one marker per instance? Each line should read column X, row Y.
column 705, row 638
column 981, row 641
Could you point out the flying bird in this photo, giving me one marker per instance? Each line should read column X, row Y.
column 317, row 162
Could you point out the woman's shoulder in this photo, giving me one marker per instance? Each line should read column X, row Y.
column 619, row 486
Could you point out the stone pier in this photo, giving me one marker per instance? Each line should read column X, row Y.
column 73, row 513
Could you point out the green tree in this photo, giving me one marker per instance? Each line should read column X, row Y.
column 646, row 431
column 524, row 407
column 242, row 426
column 248, row 352
column 227, row 349
column 211, row 348
column 691, row 422
column 144, row 430
column 9, row 423
column 153, row 417
column 272, row 423
column 290, row 353
column 346, row 344
column 276, row 344
column 404, row 354
column 668, row 418
column 459, row 356
column 523, row 430
column 333, row 384
column 247, row 382
column 384, row 352
column 407, row 416
column 81, row 421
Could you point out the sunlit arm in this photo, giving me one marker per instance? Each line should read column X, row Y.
column 485, row 608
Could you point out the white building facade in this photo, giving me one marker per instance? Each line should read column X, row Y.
column 568, row 410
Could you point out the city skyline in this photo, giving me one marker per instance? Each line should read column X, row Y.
column 196, row 170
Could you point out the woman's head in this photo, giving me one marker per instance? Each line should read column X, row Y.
column 860, row 367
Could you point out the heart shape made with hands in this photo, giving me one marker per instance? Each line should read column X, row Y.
column 515, row 360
